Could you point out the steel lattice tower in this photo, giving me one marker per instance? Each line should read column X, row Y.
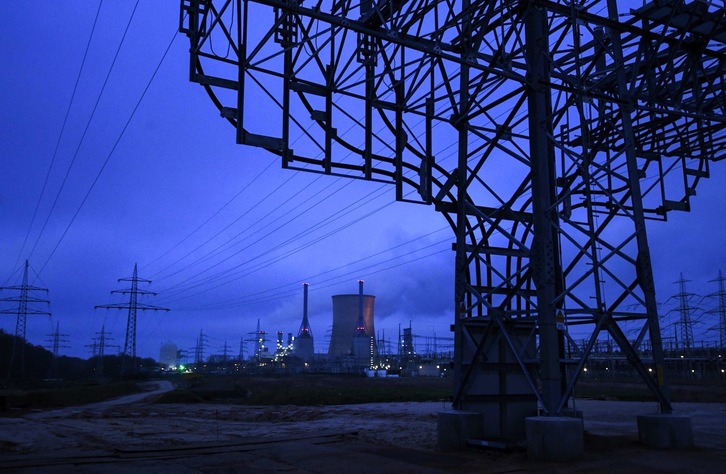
column 685, row 322
column 55, row 345
column 133, row 306
column 22, row 311
column 573, row 122
column 720, row 310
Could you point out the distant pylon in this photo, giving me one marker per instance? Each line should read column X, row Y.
column 22, row 310
column 199, row 348
column 224, row 354
column 720, row 310
column 685, row 322
column 133, row 306
column 101, row 352
column 55, row 345
column 102, row 341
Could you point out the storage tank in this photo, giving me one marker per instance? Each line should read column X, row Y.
column 345, row 316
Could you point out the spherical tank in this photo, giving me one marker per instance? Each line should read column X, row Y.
column 345, row 317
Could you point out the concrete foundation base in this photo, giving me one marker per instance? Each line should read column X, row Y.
column 455, row 427
column 554, row 438
column 665, row 431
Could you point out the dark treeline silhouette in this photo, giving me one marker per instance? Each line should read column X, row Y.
column 22, row 364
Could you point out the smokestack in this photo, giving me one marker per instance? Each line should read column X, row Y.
column 360, row 325
column 305, row 301
column 360, row 300
column 303, row 346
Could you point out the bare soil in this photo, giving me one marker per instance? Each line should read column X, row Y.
column 134, row 433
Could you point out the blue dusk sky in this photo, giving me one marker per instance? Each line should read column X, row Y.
column 129, row 162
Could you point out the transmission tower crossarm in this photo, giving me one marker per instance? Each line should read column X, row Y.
column 137, row 291
column 441, row 50
column 21, row 287
column 140, row 306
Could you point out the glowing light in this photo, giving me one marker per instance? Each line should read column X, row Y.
column 584, row 369
column 650, row 370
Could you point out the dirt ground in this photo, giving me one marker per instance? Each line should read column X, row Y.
column 134, row 434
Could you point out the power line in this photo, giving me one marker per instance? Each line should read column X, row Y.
column 85, row 131
column 230, row 277
column 218, row 250
column 271, row 193
column 260, row 239
column 200, row 226
column 244, row 300
column 60, row 135
column 110, row 153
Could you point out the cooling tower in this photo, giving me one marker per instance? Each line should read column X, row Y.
column 345, row 316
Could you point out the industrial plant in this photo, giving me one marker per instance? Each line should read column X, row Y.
column 353, row 347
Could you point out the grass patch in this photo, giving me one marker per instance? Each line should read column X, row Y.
column 688, row 391
column 73, row 395
column 310, row 390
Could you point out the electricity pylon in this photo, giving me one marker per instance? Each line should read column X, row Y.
column 572, row 122
column 199, row 349
column 685, row 321
column 720, row 310
column 57, row 341
column 98, row 349
column 133, row 306
column 24, row 301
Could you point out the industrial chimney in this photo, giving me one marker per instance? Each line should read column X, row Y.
column 304, row 347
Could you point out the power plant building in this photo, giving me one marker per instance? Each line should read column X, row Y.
column 346, row 309
column 168, row 354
